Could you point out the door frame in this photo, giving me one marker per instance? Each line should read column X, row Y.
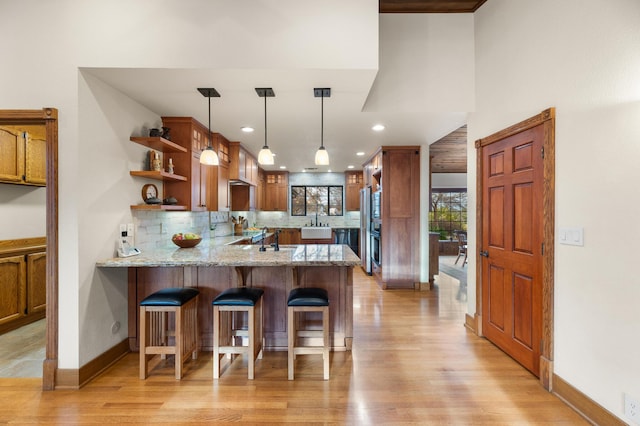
column 547, row 119
column 48, row 117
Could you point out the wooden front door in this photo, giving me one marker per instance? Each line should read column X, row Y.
column 512, row 245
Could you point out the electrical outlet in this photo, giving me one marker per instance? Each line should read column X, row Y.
column 631, row 409
column 123, row 230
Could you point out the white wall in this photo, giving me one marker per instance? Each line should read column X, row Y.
column 22, row 209
column 426, row 64
column 580, row 56
column 95, row 190
column 448, row 180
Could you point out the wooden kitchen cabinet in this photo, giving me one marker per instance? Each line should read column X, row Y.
column 400, row 236
column 22, row 282
column 395, row 170
column 372, row 170
column 190, row 134
column 243, row 165
column 23, row 159
column 243, row 198
column 218, row 189
column 287, row 236
column 276, row 191
column 217, row 193
column 260, row 187
column 354, row 182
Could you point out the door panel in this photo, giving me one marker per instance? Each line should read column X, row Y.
column 497, row 306
column 512, row 236
column 522, row 218
column 496, row 219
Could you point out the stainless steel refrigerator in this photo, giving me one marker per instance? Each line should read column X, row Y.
column 365, row 229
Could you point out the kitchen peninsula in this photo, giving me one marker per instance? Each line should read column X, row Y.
column 214, row 268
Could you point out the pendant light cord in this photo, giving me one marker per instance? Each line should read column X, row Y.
column 209, row 135
column 265, row 119
column 322, row 119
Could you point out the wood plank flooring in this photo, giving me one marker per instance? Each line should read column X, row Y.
column 413, row 362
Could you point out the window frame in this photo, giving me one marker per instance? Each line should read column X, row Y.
column 328, row 204
column 456, row 225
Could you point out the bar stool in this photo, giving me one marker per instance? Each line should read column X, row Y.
column 227, row 330
column 154, row 327
column 308, row 300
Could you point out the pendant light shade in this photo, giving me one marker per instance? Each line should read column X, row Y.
column 265, row 156
column 322, row 156
column 208, row 156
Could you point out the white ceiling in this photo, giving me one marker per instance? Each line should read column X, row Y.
column 293, row 115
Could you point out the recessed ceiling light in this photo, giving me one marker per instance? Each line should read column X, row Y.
column 360, row 153
column 378, row 127
column 329, row 171
column 350, row 166
column 247, row 129
column 283, row 167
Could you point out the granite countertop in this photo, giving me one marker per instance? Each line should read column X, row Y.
column 214, row 253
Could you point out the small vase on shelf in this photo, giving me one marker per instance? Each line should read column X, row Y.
column 156, row 164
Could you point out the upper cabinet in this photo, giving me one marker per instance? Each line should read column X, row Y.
column 191, row 135
column 23, row 159
column 372, row 171
column 276, row 191
column 243, row 165
column 354, row 182
column 218, row 190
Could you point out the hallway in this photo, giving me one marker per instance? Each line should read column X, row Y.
column 413, row 362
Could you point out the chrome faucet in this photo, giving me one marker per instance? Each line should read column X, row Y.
column 264, row 231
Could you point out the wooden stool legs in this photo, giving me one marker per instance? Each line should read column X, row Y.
column 154, row 334
column 293, row 334
column 225, row 334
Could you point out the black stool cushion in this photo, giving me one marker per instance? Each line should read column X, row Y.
column 308, row 297
column 170, row 297
column 239, row 296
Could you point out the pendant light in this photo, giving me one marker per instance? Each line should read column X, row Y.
column 265, row 156
column 208, row 156
column 322, row 156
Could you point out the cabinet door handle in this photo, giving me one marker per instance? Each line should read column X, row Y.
column 484, row 253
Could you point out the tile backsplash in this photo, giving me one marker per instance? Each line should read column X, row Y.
column 155, row 228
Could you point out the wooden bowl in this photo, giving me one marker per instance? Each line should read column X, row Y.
column 187, row 243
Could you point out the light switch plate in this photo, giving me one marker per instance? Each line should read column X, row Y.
column 572, row 236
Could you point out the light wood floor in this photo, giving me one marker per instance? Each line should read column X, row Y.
column 413, row 362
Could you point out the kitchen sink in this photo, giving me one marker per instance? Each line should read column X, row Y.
column 316, row 233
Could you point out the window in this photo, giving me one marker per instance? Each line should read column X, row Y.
column 448, row 212
column 323, row 200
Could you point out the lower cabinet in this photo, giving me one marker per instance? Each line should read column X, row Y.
column 288, row 236
column 23, row 296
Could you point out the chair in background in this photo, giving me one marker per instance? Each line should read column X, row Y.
column 462, row 247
